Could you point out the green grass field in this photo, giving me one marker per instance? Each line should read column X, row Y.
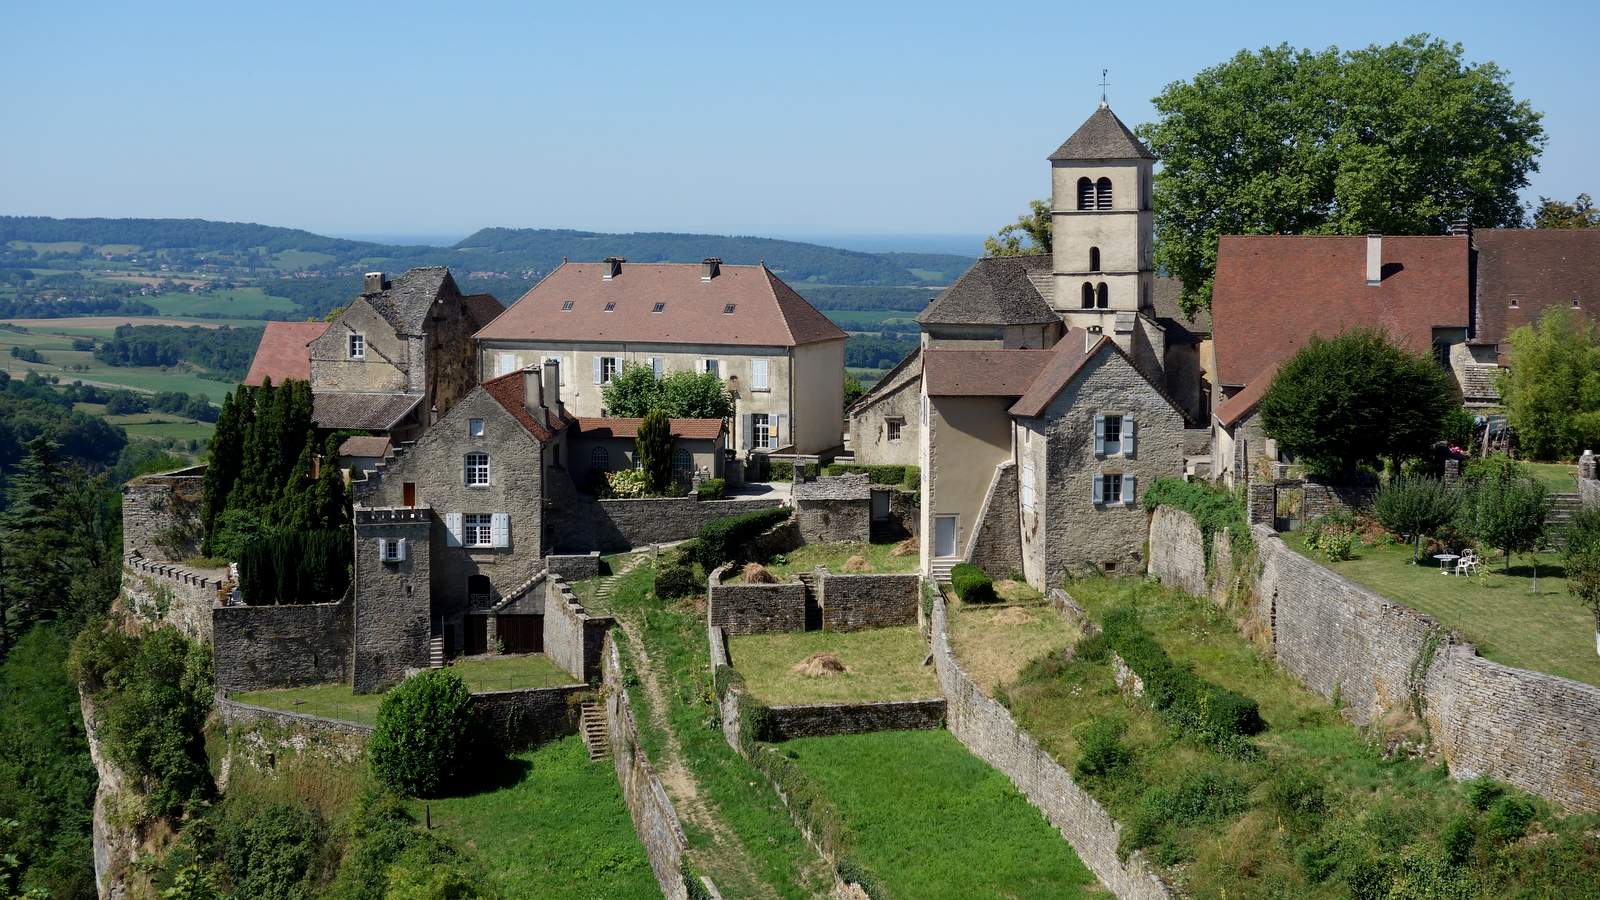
column 59, row 362
column 1557, row 478
column 880, row 664
column 554, row 826
column 880, row 559
column 506, row 673
column 245, row 301
column 181, row 430
column 331, row 701
column 864, row 319
column 1547, row 632
column 996, row 642
column 931, row 820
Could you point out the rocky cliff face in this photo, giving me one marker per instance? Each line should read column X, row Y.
column 114, row 844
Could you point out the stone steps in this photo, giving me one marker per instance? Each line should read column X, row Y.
column 940, row 569
column 592, row 725
column 436, row 652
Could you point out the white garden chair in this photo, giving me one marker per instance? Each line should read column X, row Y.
column 1468, row 563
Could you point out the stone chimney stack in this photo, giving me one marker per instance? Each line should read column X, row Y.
column 710, row 267
column 532, row 391
column 1374, row 259
column 550, row 376
column 372, row 283
column 611, row 267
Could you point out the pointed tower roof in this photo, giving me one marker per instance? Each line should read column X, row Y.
column 1102, row 136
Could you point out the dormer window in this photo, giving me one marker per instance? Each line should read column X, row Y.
column 566, row 306
column 358, row 347
column 728, row 310
column 611, row 307
column 658, row 307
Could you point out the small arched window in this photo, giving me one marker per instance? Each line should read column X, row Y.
column 1102, row 194
column 1101, row 296
column 1088, row 295
column 600, row 459
column 682, row 465
column 1085, row 194
column 1094, row 259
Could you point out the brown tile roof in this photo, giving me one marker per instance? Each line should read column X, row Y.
column 982, row 373
column 1102, row 136
column 1537, row 268
column 1066, row 360
column 1271, row 292
column 361, row 411
column 1241, row 404
column 767, row 312
column 483, row 308
column 507, row 390
column 994, row 291
column 366, row 446
column 283, row 354
column 689, row 429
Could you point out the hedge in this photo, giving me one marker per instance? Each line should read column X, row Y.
column 907, row 477
column 1210, row 712
column 295, row 567
column 726, row 539
column 712, row 489
column 972, row 584
column 783, row 470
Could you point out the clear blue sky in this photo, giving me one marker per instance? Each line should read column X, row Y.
column 808, row 118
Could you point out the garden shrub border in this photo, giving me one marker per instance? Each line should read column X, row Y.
column 1213, row 509
column 906, row 477
column 972, row 584
column 724, row 540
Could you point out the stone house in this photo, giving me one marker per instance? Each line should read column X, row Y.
column 609, row 445
column 781, row 358
column 834, row 509
column 886, row 422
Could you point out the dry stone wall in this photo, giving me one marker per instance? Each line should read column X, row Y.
column 572, row 637
column 755, row 608
column 1177, row 550
column 574, row 566
column 260, row 647
column 622, row 524
column 159, row 593
column 1536, row 731
column 822, row 719
column 855, row 602
column 525, row 718
column 989, row 731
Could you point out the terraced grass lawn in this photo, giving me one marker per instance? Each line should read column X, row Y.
column 880, row 664
column 880, row 559
column 243, row 302
column 932, row 821
column 1558, row 478
column 331, row 701
column 1547, row 632
column 510, row 672
column 551, row 825
column 996, row 642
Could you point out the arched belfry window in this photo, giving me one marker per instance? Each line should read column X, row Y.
column 1101, row 296
column 1094, row 259
column 1088, row 295
column 1085, row 194
column 1102, row 194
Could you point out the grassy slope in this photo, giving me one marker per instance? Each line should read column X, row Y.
column 555, row 827
column 994, row 643
column 58, row 359
column 1546, row 632
column 245, row 301
column 531, row 670
column 932, row 820
column 332, row 701
column 878, row 557
column 882, row 664
column 1558, row 478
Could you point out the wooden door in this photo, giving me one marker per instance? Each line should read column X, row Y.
column 521, row 633
column 475, row 634
column 410, row 488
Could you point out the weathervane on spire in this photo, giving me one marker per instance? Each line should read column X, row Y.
column 1103, row 84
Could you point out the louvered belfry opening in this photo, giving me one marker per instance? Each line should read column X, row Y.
column 1085, row 194
column 1102, row 194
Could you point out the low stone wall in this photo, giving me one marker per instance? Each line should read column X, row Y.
column 160, row 593
column 1536, row 731
column 1588, row 484
column 654, row 818
column 524, row 718
column 622, row 524
column 822, row 719
column 235, row 714
column 855, row 602
column 572, row 637
column 755, row 608
column 987, row 729
column 260, row 647
column 833, row 521
column 574, row 566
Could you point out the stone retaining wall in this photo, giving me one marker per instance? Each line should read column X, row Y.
column 573, row 637
column 622, row 524
column 989, row 731
column 1536, row 731
column 161, row 514
column 524, row 718
column 1177, row 550
column 235, row 714
column 160, row 593
column 260, row 647
column 755, row 608
column 574, row 566
column 823, row 719
column 854, row 602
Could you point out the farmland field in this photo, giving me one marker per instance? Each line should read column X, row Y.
column 859, row 319
column 233, row 301
column 57, row 359
column 103, row 326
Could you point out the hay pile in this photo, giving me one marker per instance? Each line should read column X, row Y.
column 857, row 564
column 907, row 547
column 820, row 665
column 1013, row 615
column 756, row 573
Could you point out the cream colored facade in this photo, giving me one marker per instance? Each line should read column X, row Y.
column 1121, row 234
column 966, row 439
column 801, row 398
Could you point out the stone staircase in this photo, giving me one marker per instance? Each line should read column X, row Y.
column 1560, row 512
column 436, row 652
column 941, row 569
column 592, row 725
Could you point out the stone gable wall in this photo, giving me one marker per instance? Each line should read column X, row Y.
column 988, row 730
column 260, row 647
column 622, row 524
column 854, row 602
column 755, row 608
column 1536, row 731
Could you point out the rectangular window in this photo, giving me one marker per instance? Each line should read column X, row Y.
column 1113, row 435
column 477, row 470
column 358, row 347
column 609, row 366
column 714, row 366
column 475, row 428
column 566, row 306
column 758, row 375
column 893, row 425
column 393, row 550
column 478, row 529
column 505, row 363
column 1027, row 485
column 727, row 310
column 760, row 431
column 1112, row 491
column 659, row 307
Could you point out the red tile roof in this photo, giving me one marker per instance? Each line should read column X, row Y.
column 507, row 390
column 689, row 429
column 982, row 373
column 767, row 312
column 1537, row 269
column 1243, row 403
column 283, row 354
column 1273, row 291
column 1067, row 358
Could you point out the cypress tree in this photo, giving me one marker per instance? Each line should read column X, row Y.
column 654, row 445
column 331, row 503
column 223, row 462
column 35, row 573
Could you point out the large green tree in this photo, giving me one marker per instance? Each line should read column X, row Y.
column 36, row 569
column 1028, row 235
column 1580, row 557
column 1580, row 213
column 1552, row 392
column 1356, row 398
column 1399, row 139
column 654, row 448
column 635, row 392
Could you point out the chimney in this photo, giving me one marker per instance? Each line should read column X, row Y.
column 551, row 378
column 611, row 267
column 1090, row 335
column 374, row 283
column 1374, row 259
column 710, row 267
column 1461, row 227
column 532, row 391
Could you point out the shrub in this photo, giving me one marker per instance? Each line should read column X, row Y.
column 1196, row 797
column 673, row 581
column 627, row 483
column 783, row 469
column 972, row 585
column 1297, row 796
column 654, row 448
column 1417, row 507
column 295, row 567
column 1100, row 750
column 727, row 539
column 420, row 743
column 712, row 489
column 1458, row 839
column 1483, row 791
column 275, row 853
column 879, row 474
column 1508, row 819
column 1212, row 507
column 1333, row 536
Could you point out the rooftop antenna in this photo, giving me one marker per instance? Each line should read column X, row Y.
column 1103, row 85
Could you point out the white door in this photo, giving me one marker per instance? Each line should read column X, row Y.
column 944, row 536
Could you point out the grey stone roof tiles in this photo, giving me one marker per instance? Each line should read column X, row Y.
column 408, row 298
column 997, row 290
column 1102, row 136
column 834, row 487
column 361, row 411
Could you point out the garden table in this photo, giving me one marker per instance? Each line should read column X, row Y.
column 1445, row 559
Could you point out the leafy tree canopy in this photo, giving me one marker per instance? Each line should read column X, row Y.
column 1580, row 213
column 634, row 392
column 1028, row 235
column 1399, row 139
column 1356, row 398
column 1552, row 392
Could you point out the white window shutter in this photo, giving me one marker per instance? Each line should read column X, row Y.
column 400, row 551
column 1099, row 444
column 597, row 370
column 655, row 366
column 749, row 431
column 1127, row 435
column 758, row 375
column 452, row 529
column 1127, row 489
column 383, row 549
column 500, row 530
column 1099, row 489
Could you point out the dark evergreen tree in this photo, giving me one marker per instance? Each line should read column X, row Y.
column 654, row 444
column 331, row 502
column 226, row 456
column 36, row 571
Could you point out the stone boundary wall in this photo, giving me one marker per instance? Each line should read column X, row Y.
column 524, row 718
column 1588, row 485
column 259, row 647
column 163, row 509
column 573, row 638
column 1177, row 550
column 235, row 714
column 988, row 730
column 159, row 593
column 574, row 566
column 855, row 602
column 755, row 608
column 654, row 818
column 622, row 524
column 824, row 719
column 1533, row 730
